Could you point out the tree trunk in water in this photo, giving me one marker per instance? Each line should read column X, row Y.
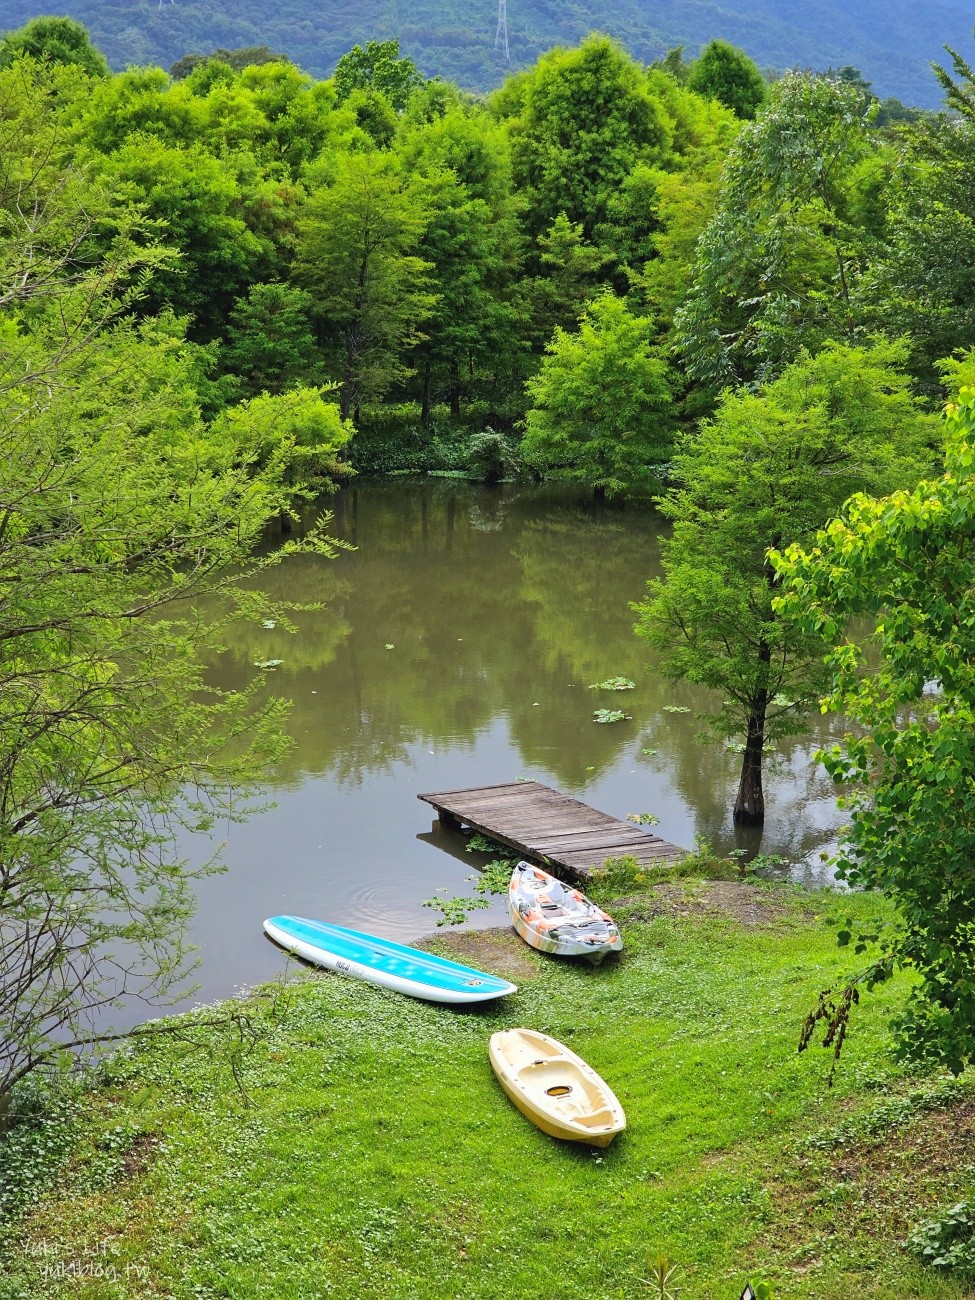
column 750, row 803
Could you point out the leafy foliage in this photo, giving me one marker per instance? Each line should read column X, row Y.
column 602, row 403
column 906, row 562
column 54, row 40
column 947, row 1241
column 377, row 67
column 357, row 249
column 580, row 121
column 119, row 508
column 771, row 466
column 728, row 75
column 779, row 262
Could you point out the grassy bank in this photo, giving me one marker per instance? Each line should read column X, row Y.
column 375, row 1155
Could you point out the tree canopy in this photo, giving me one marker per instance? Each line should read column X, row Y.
column 728, row 75
column 602, row 407
column 772, row 466
column 906, row 562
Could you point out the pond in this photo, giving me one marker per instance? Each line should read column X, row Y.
column 455, row 647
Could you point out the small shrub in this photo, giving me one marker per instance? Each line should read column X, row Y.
column 948, row 1241
column 661, row 1280
column 617, row 875
column 707, row 862
column 491, row 457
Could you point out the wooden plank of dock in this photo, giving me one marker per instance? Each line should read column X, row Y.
column 551, row 828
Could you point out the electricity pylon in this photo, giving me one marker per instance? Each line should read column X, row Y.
column 501, row 39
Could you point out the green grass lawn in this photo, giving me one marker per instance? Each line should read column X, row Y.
column 375, row 1155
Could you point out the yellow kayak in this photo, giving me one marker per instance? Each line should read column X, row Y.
column 554, row 1088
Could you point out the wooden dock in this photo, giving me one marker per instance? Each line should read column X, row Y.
column 549, row 827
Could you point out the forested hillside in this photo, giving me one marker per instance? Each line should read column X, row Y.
column 892, row 41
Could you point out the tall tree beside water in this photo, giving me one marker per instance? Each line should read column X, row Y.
column 770, row 468
column 602, row 404
column 357, row 255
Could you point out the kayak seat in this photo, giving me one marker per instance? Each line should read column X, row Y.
column 596, row 1118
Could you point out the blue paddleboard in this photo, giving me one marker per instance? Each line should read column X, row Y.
column 380, row 961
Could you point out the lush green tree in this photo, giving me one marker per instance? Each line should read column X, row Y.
column 570, row 274
column 602, row 408
column 684, row 204
column 696, row 123
column 374, row 115
column 54, row 40
column 357, row 257
column 677, row 204
column 778, row 265
column 378, row 67
column 118, row 509
column 270, row 342
column 907, row 563
column 197, row 202
column 300, row 117
column 924, row 284
column 580, row 121
column 303, row 423
column 272, row 112
column 771, row 467
column 472, row 243
column 725, row 73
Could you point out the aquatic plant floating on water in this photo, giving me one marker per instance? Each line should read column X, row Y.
column 614, row 684
column 610, row 715
column 268, row 663
column 676, row 708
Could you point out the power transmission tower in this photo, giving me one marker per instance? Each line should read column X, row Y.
column 501, row 39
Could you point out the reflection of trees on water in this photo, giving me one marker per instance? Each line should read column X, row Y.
column 579, row 577
column 802, row 816
column 496, row 603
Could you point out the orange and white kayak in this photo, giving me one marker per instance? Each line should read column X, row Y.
column 554, row 1088
column 554, row 917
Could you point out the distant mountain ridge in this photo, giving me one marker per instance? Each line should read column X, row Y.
column 891, row 41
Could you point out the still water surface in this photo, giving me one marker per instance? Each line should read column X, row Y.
column 455, row 648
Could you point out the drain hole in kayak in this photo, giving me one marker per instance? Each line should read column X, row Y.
column 559, row 1090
